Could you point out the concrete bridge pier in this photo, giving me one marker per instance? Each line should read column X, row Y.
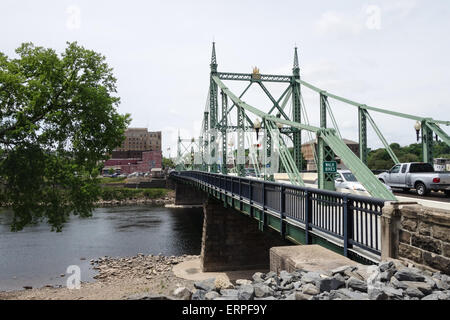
column 187, row 195
column 232, row 240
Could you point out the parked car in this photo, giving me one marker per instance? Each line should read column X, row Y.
column 417, row 175
column 345, row 179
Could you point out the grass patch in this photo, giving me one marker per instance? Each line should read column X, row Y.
column 114, row 193
column 108, row 180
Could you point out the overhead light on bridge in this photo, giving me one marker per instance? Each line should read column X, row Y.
column 417, row 127
column 257, row 126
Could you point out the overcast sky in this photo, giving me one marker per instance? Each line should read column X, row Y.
column 392, row 54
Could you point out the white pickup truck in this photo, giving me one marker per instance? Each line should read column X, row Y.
column 416, row 175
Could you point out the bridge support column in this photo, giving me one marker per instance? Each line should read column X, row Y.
column 232, row 241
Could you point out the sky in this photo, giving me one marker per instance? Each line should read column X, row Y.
column 391, row 54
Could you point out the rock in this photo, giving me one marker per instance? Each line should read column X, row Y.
column 328, row 284
column 182, row 293
column 297, row 285
column 212, row 295
column 246, row 292
column 341, row 270
column 398, row 284
column 243, row 281
column 145, row 296
column 385, row 276
column 290, row 297
column 302, row 296
column 376, row 294
column 409, row 274
column 384, row 266
column 286, row 276
column 424, row 287
column 222, row 283
column 271, row 274
column 311, row 277
column 229, row 293
column 262, row 290
column 199, row 295
column 392, row 293
column 346, row 294
column 27, row 287
column 356, row 284
column 266, row 298
column 414, row 292
column 206, row 285
column 258, row 277
column 433, row 296
column 310, row 289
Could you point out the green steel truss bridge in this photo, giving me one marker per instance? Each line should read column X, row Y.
column 228, row 147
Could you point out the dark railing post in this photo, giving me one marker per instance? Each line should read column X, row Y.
column 282, row 211
column 348, row 224
column 308, row 215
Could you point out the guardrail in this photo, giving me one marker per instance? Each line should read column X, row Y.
column 353, row 219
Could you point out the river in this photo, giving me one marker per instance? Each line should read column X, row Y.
column 36, row 256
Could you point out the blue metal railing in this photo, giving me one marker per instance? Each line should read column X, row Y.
column 353, row 219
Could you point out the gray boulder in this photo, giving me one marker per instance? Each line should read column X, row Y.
column 212, row 295
column 246, row 292
column 206, row 285
column 409, row 274
column 356, row 284
column 182, row 293
column 328, row 284
column 262, row 290
column 199, row 295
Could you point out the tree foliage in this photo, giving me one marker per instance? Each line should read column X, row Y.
column 58, row 121
column 380, row 160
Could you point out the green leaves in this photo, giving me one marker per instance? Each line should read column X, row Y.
column 58, row 121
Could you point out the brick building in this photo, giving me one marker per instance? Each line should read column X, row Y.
column 139, row 139
column 308, row 153
column 140, row 152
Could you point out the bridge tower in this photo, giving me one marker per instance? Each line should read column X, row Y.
column 296, row 110
column 213, row 109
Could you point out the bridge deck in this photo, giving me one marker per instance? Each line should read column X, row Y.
column 348, row 224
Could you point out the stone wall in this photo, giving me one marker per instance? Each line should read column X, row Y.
column 232, row 240
column 418, row 234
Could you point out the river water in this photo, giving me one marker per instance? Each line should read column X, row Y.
column 37, row 257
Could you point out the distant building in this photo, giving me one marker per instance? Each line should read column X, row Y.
column 139, row 139
column 308, row 153
column 140, row 152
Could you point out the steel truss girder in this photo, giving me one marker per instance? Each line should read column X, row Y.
column 248, row 77
column 363, row 106
column 359, row 169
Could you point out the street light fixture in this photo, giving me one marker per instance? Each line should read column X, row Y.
column 257, row 126
column 417, row 127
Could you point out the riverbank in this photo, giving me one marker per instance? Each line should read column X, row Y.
column 148, row 277
column 124, row 197
column 117, row 279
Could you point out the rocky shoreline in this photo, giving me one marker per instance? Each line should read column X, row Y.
column 150, row 277
column 390, row 280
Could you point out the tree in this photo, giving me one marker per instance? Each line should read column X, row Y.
column 167, row 163
column 58, row 122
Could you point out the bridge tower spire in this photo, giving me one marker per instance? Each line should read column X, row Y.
column 213, row 112
column 296, row 68
column 213, row 59
column 296, row 112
